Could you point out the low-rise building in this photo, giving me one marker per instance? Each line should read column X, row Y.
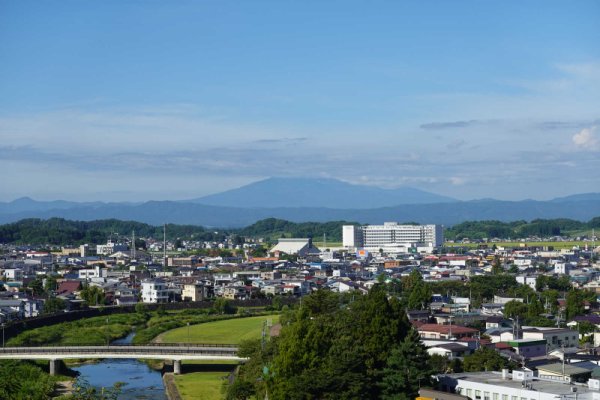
column 520, row 385
column 154, row 291
column 194, row 292
column 435, row 331
column 555, row 337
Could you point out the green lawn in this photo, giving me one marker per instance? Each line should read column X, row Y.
column 556, row 245
column 200, row 385
column 231, row 331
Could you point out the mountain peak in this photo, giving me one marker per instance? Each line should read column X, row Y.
column 318, row 192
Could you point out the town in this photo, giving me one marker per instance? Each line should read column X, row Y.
column 533, row 306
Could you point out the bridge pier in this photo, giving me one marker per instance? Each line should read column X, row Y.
column 54, row 367
column 177, row 367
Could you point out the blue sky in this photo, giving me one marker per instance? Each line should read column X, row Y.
column 139, row 100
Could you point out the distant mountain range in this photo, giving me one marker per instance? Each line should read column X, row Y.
column 328, row 193
column 301, row 200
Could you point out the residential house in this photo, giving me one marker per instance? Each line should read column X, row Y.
column 434, row 331
column 154, row 291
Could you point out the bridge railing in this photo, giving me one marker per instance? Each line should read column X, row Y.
column 187, row 345
column 134, row 350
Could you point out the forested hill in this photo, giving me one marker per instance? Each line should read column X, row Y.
column 521, row 229
column 276, row 228
column 60, row 231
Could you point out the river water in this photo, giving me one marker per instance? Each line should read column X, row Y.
column 141, row 381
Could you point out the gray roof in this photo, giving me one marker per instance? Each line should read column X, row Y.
column 557, row 368
column 539, row 385
column 11, row 303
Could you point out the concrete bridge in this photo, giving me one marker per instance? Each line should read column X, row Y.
column 175, row 352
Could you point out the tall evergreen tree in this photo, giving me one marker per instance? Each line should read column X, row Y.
column 407, row 368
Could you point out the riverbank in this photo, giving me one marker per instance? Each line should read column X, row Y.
column 170, row 387
column 63, row 388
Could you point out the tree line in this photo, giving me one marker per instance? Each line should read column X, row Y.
column 518, row 229
column 347, row 346
column 59, row 231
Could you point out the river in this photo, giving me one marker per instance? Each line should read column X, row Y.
column 141, row 381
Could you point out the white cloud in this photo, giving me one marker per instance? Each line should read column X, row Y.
column 587, row 71
column 587, row 139
column 456, row 180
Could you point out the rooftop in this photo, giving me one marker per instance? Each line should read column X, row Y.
column 539, row 385
column 446, row 328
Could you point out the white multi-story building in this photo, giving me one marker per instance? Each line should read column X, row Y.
column 110, row 248
column 518, row 385
column 96, row 272
column 392, row 234
column 154, row 291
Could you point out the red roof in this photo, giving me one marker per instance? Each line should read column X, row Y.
column 68, row 287
column 456, row 329
column 416, row 323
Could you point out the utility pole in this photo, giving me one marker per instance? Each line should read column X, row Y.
column 133, row 244
column 563, row 360
column 165, row 245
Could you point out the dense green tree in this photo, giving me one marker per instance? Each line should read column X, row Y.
column 486, row 286
column 241, row 389
column 51, row 283
column 36, row 286
column 514, row 309
column 336, row 346
column 93, row 295
column 540, row 283
column 585, row 327
column 407, row 367
column 413, row 280
column 534, row 308
column 140, row 244
column 224, row 306
column 259, row 251
column 485, row 359
column 54, row 305
column 58, row 231
column 419, row 297
column 550, row 299
column 575, row 302
column 24, row 380
column 516, row 229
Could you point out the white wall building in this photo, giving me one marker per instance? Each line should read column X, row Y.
column 555, row 337
column 527, row 280
column 392, row 234
column 301, row 247
column 96, row 272
column 154, row 291
column 518, row 385
column 110, row 248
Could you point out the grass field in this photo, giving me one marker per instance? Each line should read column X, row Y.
column 206, row 385
column 556, row 245
column 201, row 385
column 321, row 244
column 231, row 331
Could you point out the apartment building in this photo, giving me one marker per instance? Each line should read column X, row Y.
column 154, row 291
column 392, row 234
